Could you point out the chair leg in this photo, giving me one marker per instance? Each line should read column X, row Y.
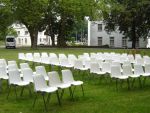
column 48, row 98
column 15, row 91
column 140, row 84
column 144, row 81
column 116, row 84
column 30, row 93
column 34, row 100
column 9, row 88
column 73, row 90
column 22, row 91
column 82, row 90
column 62, row 93
column 128, row 84
column 133, row 81
column 71, row 93
column 44, row 101
column 58, row 98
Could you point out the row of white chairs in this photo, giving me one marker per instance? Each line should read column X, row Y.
column 38, row 78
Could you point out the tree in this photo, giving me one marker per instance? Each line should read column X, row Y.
column 31, row 14
column 130, row 17
column 6, row 18
column 62, row 15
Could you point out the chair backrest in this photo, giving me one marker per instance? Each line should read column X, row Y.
column 41, row 70
column 100, row 61
column 54, row 60
column 21, row 56
column 147, row 68
column 52, row 55
column 67, row 76
column 78, row 64
column 3, row 62
column 64, row 62
column 45, row 60
column 44, row 54
column 106, row 67
column 62, row 56
column 12, row 67
column 27, row 74
column 24, row 65
column 29, row 56
column 12, row 62
column 36, row 55
column 140, row 61
column 94, row 67
column 3, row 72
column 127, row 70
column 54, row 78
column 14, row 76
column 39, row 82
column 115, row 71
column 138, row 69
column 87, row 64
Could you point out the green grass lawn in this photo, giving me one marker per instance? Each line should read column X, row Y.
column 100, row 96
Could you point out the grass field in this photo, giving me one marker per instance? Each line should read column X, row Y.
column 100, row 97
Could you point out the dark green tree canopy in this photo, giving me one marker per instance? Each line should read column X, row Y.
column 131, row 17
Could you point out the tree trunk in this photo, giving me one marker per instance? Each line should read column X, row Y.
column 61, row 36
column 133, row 34
column 53, row 40
column 34, row 37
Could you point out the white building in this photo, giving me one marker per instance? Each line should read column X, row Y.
column 97, row 36
column 24, row 39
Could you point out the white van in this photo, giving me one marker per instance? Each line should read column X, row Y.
column 10, row 42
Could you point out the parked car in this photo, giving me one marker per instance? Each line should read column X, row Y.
column 10, row 42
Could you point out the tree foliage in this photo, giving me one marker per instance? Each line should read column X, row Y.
column 130, row 17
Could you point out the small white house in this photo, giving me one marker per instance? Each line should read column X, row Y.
column 97, row 36
column 24, row 39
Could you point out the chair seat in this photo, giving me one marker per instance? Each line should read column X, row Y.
column 4, row 77
column 62, row 86
column 122, row 77
column 83, row 69
column 49, row 89
column 23, row 83
column 146, row 74
column 76, row 83
column 100, row 72
column 134, row 76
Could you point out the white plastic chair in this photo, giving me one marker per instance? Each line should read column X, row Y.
column 29, row 57
column 21, row 56
column 106, row 67
column 116, row 73
column 67, row 78
column 15, row 80
column 40, row 86
column 54, row 81
column 41, row 70
column 94, row 68
column 78, row 64
column 65, row 63
column 24, row 65
column 27, row 75
column 3, row 73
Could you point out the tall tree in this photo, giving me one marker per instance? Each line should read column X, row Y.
column 31, row 14
column 6, row 18
column 131, row 17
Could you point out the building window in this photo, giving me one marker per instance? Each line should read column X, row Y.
column 40, row 39
column 26, row 32
column 124, row 42
column 137, row 43
column 111, row 41
column 99, row 27
column 19, row 40
column 25, row 40
column 99, row 41
column 18, row 32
